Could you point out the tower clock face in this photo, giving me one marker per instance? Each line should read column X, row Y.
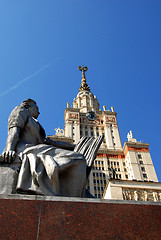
column 91, row 115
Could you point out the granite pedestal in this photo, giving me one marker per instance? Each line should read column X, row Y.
column 38, row 217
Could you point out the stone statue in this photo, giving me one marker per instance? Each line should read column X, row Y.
column 136, row 196
column 155, row 196
column 46, row 167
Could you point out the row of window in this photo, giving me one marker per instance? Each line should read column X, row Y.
column 98, row 195
column 114, row 163
column 98, row 188
column 117, row 176
column 98, row 168
column 117, row 169
column 98, row 162
column 92, row 128
column 99, row 182
column 98, row 174
column 91, row 133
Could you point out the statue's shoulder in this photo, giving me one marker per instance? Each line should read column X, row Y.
column 18, row 117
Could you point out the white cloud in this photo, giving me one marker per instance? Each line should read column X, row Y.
column 29, row 77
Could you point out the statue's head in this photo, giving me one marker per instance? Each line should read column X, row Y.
column 31, row 105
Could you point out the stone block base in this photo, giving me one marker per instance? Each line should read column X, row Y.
column 36, row 217
column 8, row 179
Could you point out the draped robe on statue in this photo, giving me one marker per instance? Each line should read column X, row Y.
column 45, row 169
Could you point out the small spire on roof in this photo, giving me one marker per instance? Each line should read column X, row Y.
column 84, row 85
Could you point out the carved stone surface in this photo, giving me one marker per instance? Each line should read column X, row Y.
column 141, row 195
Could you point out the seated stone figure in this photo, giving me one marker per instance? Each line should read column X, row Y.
column 46, row 167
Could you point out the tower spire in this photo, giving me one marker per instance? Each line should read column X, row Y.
column 84, row 85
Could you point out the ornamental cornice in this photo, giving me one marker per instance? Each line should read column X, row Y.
column 135, row 145
column 109, row 113
column 72, row 110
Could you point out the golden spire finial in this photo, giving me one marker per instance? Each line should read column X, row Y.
column 84, row 85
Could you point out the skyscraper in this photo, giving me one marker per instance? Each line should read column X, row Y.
column 131, row 162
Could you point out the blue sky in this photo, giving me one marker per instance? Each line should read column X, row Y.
column 42, row 44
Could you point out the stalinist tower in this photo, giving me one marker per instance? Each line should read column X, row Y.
column 114, row 162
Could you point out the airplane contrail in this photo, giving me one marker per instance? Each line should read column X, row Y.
column 28, row 77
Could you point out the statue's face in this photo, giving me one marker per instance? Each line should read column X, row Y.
column 34, row 110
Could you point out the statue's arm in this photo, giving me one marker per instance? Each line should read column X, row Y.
column 59, row 144
column 9, row 152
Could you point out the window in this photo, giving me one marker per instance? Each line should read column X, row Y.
column 125, row 169
column 110, row 125
column 97, row 174
column 97, row 134
column 98, row 162
column 91, row 134
column 102, row 168
column 96, row 128
column 144, row 175
column 73, row 140
column 73, row 134
column 101, row 181
column 86, row 133
column 117, row 163
column 100, row 174
column 139, row 156
column 94, row 188
column 102, row 188
column 112, row 131
column 111, row 163
column 93, row 174
column 124, row 163
column 92, row 128
column 97, row 181
column 94, row 181
column 119, row 175
column 143, row 169
column 80, row 132
column 141, row 162
column 114, row 163
column 85, row 127
column 126, row 176
column 99, row 195
column 119, row 169
column 114, row 144
column 95, row 195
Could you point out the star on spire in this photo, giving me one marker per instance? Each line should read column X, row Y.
column 84, row 85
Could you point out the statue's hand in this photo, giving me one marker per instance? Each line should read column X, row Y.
column 8, row 156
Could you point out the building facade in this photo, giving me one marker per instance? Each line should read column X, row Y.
column 130, row 162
